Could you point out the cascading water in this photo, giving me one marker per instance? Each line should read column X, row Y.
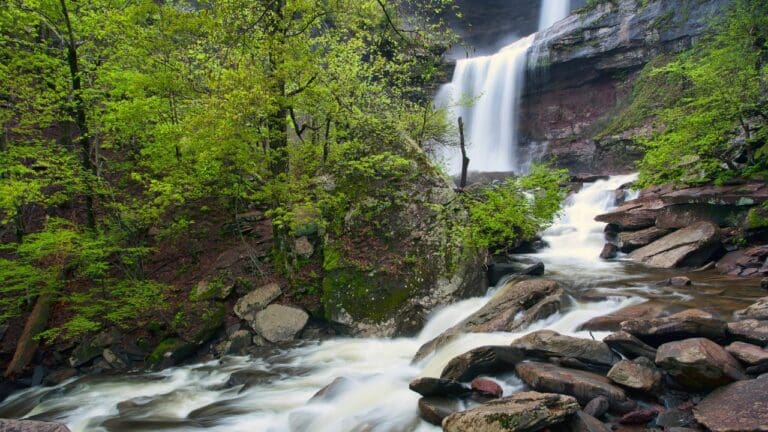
column 374, row 395
column 485, row 91
column 553, row 11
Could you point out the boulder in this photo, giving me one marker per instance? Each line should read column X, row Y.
column 751, row 331
column 613, row 320
column 698, row 363
column 630, row 216
column 629, row 346
column 736, row 407
column 582, row 385
column 427, row 387
column 641, row 416
column 278, row 323
column 639, row 375
column 250, row 304
column 325, row 394
column 597, row 407
column 486, row 388
column 434, row 409
column 481, row 361
column 497, row 271
column 546, row 344
column 747, row 353
column 680, row 326
column 30, row 426
column 610, row 251
column 522, row 412
column 691, row 246
column 758, row 310
column 582, row 422
column 514, row 306
column 744, row 262
column 236, row 343
column 631, row 240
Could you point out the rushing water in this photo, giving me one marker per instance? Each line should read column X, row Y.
column 553, row 11
column 374, row 395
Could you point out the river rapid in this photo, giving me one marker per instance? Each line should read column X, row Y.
column 374, row 395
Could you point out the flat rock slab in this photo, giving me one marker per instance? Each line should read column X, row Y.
column 698, row 363
column 613, row 320
column 278, row 323
column 629, row 346
column 689, row 246
column 676, row 327
column 584, row 386
column 522, row 412
column 31, row 426
column 546, row 343
column 758, row 310
column 635, row 375
column 741, row 406
column 481, row 361
column 250, row 304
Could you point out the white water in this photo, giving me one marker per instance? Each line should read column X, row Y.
column 376, row 395
column 553, row 11
column 485, row 91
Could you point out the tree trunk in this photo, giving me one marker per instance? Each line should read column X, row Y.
column 27, row 345
column 464, row 158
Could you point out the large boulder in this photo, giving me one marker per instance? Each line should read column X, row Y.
column 740, row 406
column 30, row 426
column 522, row 412
column 744, row 262
column 698, row 363
column 612, row 321
column 679, row 326
column 747, row 353
column 427, row 386
column 434, row 409
column 584, row 386
column 631, row 240
column 250, row 304
column 751, row 330
column 691, row 246
column 481, row 361
column 629, row 346
column 757, row 310
column 636, row 375
column 514, row 306
column 278, row 323
column 546, row 344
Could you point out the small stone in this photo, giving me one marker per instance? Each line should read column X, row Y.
column 636, row 376
column 487, row 388
column 676, row 281
column 303, row 247
column 638, row 417
column 438, row 387
column 597, row 407
column 609, row 251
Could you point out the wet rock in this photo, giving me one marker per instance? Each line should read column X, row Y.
column 736, row 407
column 758, row 310
column 613, row 320
column 676, row 418
column 434, row 409
column 582, row 422
column 522, row 412
column 250, row 377
column 582, row 385
column 515, row 305
column 630, row 216
column 438, row 387
column 59, row 376
column 235, row 344
column 631, row 240
column 744, row 262
column 547, row 344
column 677, row 281
column 698, row 363
column 250, row 304
column 497, row 271
column 278, row 323
column 597, row 407
column 691, row 246
column 31, row 426
column 751, row 331
column 638, row 417
column 676, row 327
column 610, row 251
column 629, row 346
column 482, row 361
column 636, row 375
column 113, row 359
column 486, row 388
column 327, row 393
column 747, row 353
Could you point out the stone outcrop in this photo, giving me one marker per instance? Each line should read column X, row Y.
column 751, row 331
column 514, row 306
column 691, row 246
column 522, row 412
column 546, row 344
column 745, row 262
column 698, row 363
column 747, row 353
column 679, row 326
column 737, row 407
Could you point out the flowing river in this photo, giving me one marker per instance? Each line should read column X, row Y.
column 373, row 394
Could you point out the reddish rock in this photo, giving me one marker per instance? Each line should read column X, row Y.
column 747, row 353
column 487, row 388
column 698, row 363
column 613, row 320
column 638, row 417
column 740, row 406
column 691, row 246
column 751, row 331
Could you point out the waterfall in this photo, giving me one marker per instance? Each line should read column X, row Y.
column 553, row 11
column 486, row 91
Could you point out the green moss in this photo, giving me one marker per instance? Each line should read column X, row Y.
column 331, row 258
column 757, row 218
column 178, row 349
column 373, row 296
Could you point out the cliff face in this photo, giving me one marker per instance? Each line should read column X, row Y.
column 582, row 69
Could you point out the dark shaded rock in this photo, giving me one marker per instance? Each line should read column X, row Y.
column 751, row 331
column 631, row 240
column 637, row 376
column 638, row 417
column 522, row 412
column 486, row 388
column 613, row 320
column 630, row 217
column 59, row 376
column 597, row 407
column 683, row 325
column 736, row 407
column 515, row 305
column 327, row 393
column 757, row 310
column 497, row 271
column 481, row 361
column 250, row 377
column 546, row 344
column 434, row 409
column 582, row 385
column 629, row 346
column 610, row 251
column 744, row 262
column 691, row 246
column 676, row 281
column 582, row 422
column 676, row 418
column 698, row 363
column 30, row 426
column 747, row 353
column 438, row 387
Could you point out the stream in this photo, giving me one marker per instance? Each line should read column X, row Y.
column 374, row 395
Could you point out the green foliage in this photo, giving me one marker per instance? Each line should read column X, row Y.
column 502, row 216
